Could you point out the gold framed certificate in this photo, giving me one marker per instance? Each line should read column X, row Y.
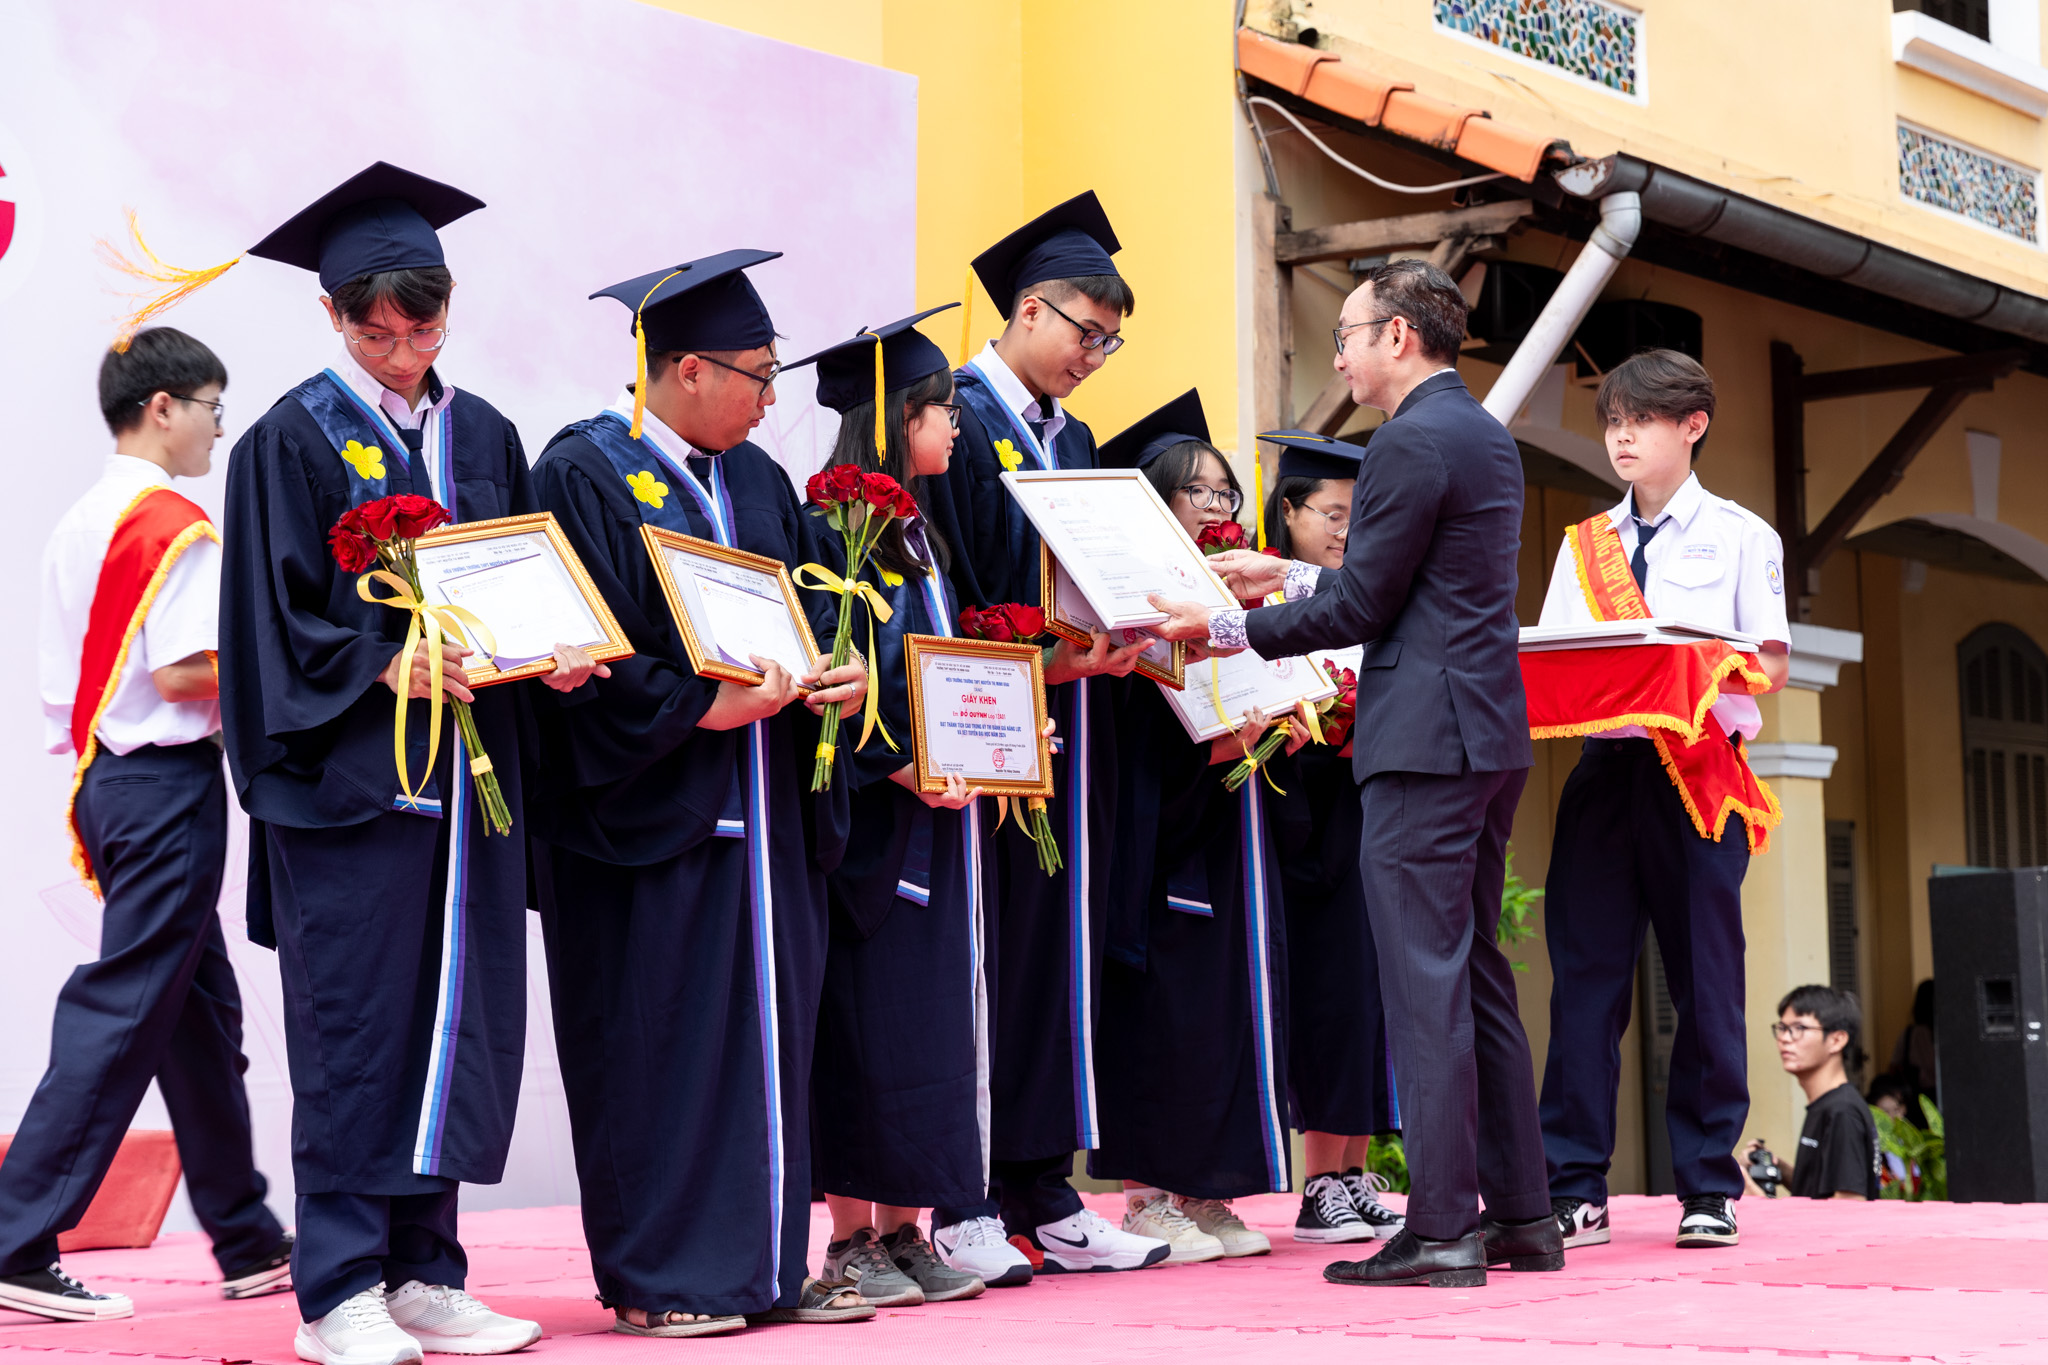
column 1068, row 615
column 730, row 606
column 977, row 710
column 523, row 580
column 1221, row 690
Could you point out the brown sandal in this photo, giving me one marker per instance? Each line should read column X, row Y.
column 821, row 1301
column 673, row 1324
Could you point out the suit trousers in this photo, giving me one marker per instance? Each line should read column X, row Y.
column 1434, row 858
column 160, row 1002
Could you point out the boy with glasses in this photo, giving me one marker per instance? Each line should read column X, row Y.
column 1839, row 1156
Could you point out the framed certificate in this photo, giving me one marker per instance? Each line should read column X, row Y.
column 729, row 605
column 1118, row 542
column 1230, row 687
column 1068, row 615
column 522, row 579
column 977, row 708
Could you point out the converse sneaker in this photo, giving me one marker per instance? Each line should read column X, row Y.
column 357, row 1332
column 1327, row 1213
column 1583, row 1222
column 1153, row 1213
column 1709, row 1221
column 50, row 1293
column 1365, row 1188
column 265, row 1275
column 1219, row 1220
column 914, row 1256
column 979, row 1248
column 861, row 1262
column 1088, row 1241
column 442, row 1318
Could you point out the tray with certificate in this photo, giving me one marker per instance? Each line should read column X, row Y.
column 977, row 709
column 1651, row 630
column 522, row 579
column 1229, row 686
column 731, row 606
column 1068, row 615
column 1118, row 542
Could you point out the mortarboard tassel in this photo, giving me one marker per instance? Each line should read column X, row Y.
column 640, row 356
column 180, row 280
column 1259, row 495
column 881, row 426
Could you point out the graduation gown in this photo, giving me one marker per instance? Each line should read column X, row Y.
column 400, row 932
column 899, row 1093
column 1045, row 946
column 681, row 882
column 1192, row 1047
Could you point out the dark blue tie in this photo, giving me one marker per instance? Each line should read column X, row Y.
column 1637, row 564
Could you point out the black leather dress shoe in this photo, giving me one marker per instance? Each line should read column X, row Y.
column 1535, row 1245
column 1409, row 1260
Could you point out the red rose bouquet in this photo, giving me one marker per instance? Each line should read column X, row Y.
column 1220, row 537
column 858, row 506
column 1013, row 623
column 1342, row 712
column 384, row 532
column 1330, row 722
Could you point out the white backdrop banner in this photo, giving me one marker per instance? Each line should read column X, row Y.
column 608, row 139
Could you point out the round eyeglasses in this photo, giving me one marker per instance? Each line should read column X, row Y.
column 1201, row 497
column 425, row 341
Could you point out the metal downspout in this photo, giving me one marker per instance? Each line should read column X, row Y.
column 1621, row 219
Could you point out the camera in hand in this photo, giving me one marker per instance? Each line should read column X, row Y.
column 1765, row 1171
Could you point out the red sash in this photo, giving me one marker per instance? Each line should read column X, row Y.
column 1669, row 691
column 151, row 533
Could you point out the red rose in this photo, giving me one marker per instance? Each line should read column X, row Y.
column 416, row 515
column 834, row 486
column 1219, row 536
column 352, row 550
column 984, row 623
column 1026, row 623
column 884, row 494
column 1269, row 550
column 379, row 519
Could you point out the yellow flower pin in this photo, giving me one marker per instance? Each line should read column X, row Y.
column 647, row 488
column 1008, row 454
column 890, row 576
column 367, row 461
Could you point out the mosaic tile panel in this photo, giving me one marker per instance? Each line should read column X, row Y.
column 1948, row 175
column 1590, row 39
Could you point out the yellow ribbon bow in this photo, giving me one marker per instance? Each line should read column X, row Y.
column 428, row 626
column 1216, row 700
column 878, row 609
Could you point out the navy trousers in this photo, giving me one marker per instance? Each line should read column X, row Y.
column 1626, row 855
column 348, row 1242
column 1433, row 861
column 159, row 1002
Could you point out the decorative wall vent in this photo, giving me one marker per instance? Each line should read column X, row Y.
column 1971, row 184
column 1592, row 40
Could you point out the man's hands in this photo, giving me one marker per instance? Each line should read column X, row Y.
column 1247, row 573
column 454, row 682
column 573, row 668
column 1069, row 662
column 1184, row 620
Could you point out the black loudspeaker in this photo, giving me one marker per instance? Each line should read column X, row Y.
column 1990, row 932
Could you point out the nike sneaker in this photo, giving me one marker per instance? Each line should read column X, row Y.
column 1583, row 1222
column 1088, row 1241
column 1709, row 1221
column 1154, row 1213
column 978, row 1247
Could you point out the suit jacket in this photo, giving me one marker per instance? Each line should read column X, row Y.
column 1428, row 586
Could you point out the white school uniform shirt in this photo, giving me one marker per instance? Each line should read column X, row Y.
column 405, row 416
column 1017, row 398
column 1710, row 562
column 183, row 620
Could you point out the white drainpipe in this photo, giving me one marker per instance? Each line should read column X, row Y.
column 1621, row 218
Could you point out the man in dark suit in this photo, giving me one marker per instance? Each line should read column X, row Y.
column 1442, row 750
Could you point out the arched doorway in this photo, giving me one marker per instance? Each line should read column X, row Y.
column 2003, row 677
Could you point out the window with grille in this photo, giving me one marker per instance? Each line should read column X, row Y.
column 1842, row 931
column 2004, row 685
column 1971, row 16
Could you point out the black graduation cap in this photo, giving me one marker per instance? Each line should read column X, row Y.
column 846, row 370
column 701, row 305
column 381, row 219
column 1146, row 439
column 1066, row 242
column 1312, row 455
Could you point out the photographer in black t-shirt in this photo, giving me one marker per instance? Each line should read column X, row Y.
column 1838, row 1158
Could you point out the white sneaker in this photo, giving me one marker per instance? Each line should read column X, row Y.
column 979, row 1247
column 1219, row 1220
column 1088, row 1241
column 445, row 1319
column 358, row 1332
column 1152, row 1213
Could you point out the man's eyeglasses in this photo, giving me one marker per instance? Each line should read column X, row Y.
column 952, row 411
column 1338, row 332
column 1201, row 497
column 220, row 410
column 1091, row 340
column 766, row 381
column 1794, row 1031
column 425, row 341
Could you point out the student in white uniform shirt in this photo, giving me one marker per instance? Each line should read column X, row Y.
column 130, row 592
column 1627, row 854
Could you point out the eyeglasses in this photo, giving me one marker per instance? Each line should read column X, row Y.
column 1201, row 497
column 1794, row 1031
column 425, row 341
column 1337, row 333
column 1340, row 522
column 766, row 381
column 1091, row 340
column 952, row 411
column 220, row 410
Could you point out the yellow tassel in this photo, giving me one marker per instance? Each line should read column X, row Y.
column 1259, row 493
column 966, row 315
column 881, row 426
column 180, row 280
column 640, row 356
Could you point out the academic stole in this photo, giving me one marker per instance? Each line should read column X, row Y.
column 657, row 484
column 363, row 438
column 154, row 529
column 1712, row 775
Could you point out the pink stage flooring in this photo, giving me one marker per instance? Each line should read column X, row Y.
column 1821, row 1281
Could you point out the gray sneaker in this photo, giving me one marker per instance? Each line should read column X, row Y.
column 914, row 1257
column 861, row 1262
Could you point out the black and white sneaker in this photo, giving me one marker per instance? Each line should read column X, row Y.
column 1583, row 1222
column 1709, row 1221
column 1365, row 1187
column 50, row 1293
column 1327, row 1214
column 270, row 1274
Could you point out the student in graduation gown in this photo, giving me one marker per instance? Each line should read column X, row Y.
column 899, row 1090
column 1064, row 304
column 399, row 924
column 1337, row 1060
column 682, row 854
column 1192, row 1047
